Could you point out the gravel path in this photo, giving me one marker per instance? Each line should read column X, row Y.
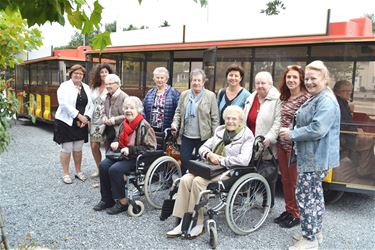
column 39, row 206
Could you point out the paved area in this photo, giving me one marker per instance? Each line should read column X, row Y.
column 39, row 207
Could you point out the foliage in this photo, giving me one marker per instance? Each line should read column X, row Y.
column 110, row 27
column 273, row 8
column 78, row 39
column 132, row 27
column 8, row 107
column 15, row 38
column 165, row 24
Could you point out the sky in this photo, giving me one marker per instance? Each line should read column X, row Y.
column 153, row 13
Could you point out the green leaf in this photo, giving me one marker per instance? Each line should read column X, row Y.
column 76, row 19
column 96, row 15
column 102, row 40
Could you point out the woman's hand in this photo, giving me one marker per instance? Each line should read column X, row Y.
column 114, row 146
column 214, row 158
column 83, row 119
column 109, row 121
column 125, row 151
column 266, row 143
column 284, row 133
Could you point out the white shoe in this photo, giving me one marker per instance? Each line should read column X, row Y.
column 95, row 174
column 319, row 237
column 305, row 244
column 175, row 232
column 196, row 231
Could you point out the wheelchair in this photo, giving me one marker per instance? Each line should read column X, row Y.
column 153, row 176
column 245, row 197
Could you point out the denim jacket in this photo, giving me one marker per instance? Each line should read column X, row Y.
column 317, row 133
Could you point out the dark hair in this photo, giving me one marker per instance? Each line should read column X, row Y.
column 284, row 90
column 96, row 81
column 76, row 67
column 341, row 84
column 235, row 67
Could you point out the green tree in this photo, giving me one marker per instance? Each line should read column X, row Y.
column 110, row 27
column 372, row 18
column 130, row 27
column 165, row 24
column 273, row 8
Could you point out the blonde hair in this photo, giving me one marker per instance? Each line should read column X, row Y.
column 319, row 66
column 234, row 109
column 266, row 76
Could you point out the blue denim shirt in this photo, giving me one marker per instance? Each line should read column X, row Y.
column 317, row 133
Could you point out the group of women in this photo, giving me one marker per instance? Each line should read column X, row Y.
column 300, row 124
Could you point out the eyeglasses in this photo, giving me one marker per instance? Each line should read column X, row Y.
column 294, row 66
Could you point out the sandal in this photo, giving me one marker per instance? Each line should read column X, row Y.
column 67, row 179
column 80, row 176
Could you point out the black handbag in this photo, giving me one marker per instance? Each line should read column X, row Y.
column 205, row 169
column 115, row 155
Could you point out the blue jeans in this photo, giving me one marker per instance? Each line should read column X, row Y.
column 186, row 151
column 112, row 184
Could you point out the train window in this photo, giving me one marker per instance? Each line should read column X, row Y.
column 364, row 88
column 284, row 53
column 43, row 76
column 221, row 68
column 181, row 75
column 54, row 73
column 342, row 50
column 34, row 74
column 187, row 54
column 132, row 77
column 19, row 77
column 339, row 71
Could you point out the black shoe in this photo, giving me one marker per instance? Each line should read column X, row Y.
column 284, row 215
column 102, row 205
column 117, row 208
column 289, row 222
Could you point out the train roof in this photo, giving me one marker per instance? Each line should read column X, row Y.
column 354, row 30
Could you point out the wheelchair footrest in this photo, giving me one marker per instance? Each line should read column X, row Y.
column 167, row 209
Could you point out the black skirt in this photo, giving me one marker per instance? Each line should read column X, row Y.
column 65, row 133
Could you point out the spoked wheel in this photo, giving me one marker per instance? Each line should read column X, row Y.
column 137, row 210
column 248, row 204
column 159, row 179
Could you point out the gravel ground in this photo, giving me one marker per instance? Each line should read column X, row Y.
column 37, row 205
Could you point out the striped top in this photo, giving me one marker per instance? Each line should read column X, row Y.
column 288, row 109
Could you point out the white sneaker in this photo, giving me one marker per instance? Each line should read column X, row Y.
column 196, row 231
column 305, row 244
column 319, row 237
column 175, row 232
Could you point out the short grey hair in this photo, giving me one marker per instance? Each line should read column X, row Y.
column 113, row 78
column 161, row 71
column 321, row 67
column 234, row 109
column 134, row 100
column 264, row 75
column 196, row 72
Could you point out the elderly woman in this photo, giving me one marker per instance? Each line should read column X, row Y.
column 230, row 146
column 113, row 113
column 353, row 142
column 234, row 93
column 136, row 136
column 293, row 95
column 316, row 135
column 196, row 117
column 262, row 111
column 98, row 96
column 71, row 120
column 161, row 101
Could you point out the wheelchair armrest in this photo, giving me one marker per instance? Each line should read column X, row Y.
column 152, row 153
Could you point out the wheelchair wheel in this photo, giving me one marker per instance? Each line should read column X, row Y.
column 212, row 235
column 248, row 204
column 137, row 210
column 159, row 179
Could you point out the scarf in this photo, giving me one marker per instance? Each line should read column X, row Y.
column 128, row 129
column 192, row 105
column 227, row 138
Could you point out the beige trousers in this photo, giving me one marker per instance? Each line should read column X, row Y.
column 188, row 192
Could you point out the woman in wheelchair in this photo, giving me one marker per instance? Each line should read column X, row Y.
column 230, row 146
column 135, row 136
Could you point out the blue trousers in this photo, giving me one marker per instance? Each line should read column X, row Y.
column 112, row 184
column 186, row 150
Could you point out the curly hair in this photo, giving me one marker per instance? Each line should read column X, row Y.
column 96, row 81
column 284, row 90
